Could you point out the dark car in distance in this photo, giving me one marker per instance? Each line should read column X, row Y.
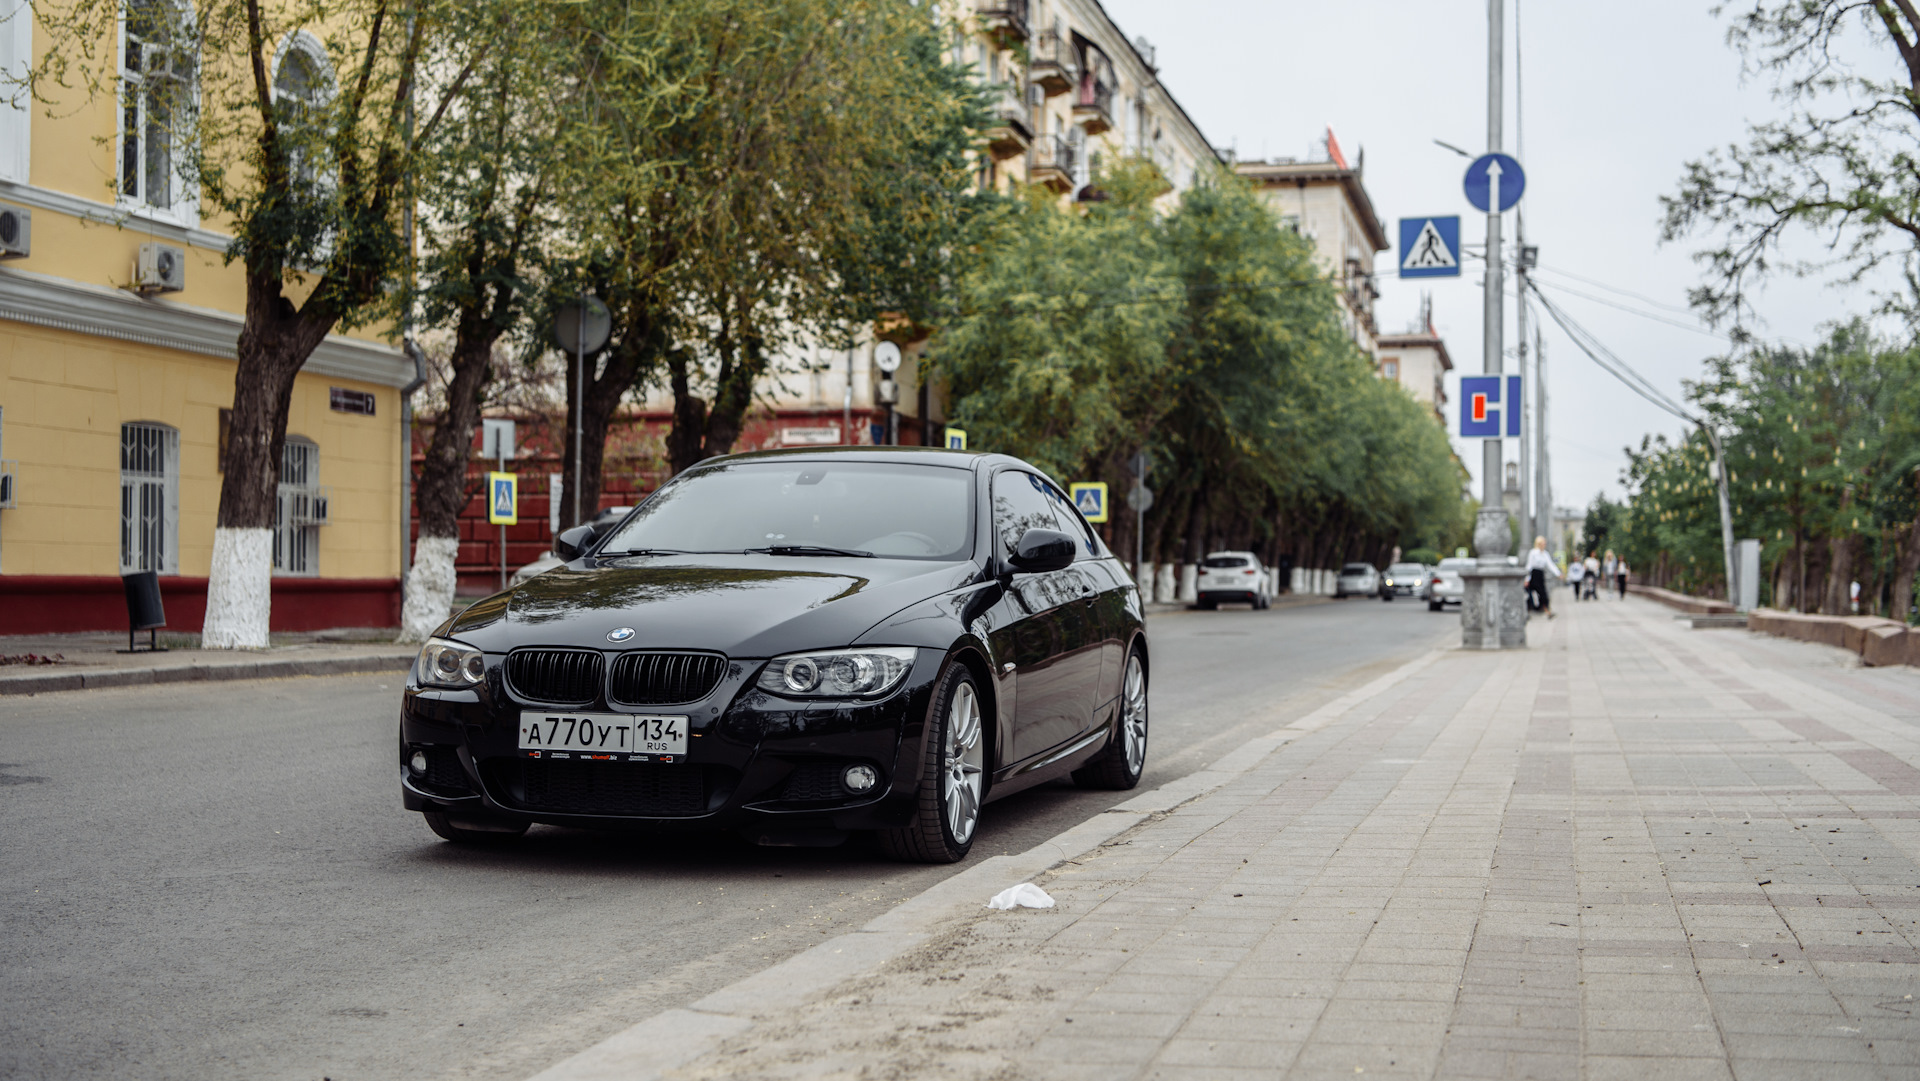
column 796, row 645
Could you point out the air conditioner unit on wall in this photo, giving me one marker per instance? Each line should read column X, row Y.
column 162, row 269
column 16, row 232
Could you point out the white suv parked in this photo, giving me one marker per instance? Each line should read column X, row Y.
column 1233, row 577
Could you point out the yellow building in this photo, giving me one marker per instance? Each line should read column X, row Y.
column 118, row 322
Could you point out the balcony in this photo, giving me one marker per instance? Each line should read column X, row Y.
column 1053, row 65
column 1009, row 135
column 1093, row 107
column 1005, row 21
column 1050, row 163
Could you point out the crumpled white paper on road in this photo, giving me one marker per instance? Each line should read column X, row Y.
column 1025, row 895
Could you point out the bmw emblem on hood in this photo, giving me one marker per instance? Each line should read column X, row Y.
column 619, row 634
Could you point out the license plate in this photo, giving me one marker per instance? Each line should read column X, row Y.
column 593, row 735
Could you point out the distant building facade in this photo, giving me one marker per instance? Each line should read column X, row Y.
column 1326, row 202
column 1418, row 360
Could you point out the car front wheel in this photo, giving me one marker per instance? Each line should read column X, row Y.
column 953, row 777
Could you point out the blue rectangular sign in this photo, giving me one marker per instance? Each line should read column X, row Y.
column 1430, row 247
column 1483, row 405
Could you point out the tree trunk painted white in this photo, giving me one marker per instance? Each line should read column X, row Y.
column 1163, row 584
column 239, row 590
column 1143, row 573
column 1189, row 583
column 430, row 587
column 1297, row 580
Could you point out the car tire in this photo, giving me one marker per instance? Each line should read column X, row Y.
column 1436, row 606
column 1118, row 767
column 953, row 770
column 438, row 822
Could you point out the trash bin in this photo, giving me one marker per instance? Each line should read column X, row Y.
column 144, row 610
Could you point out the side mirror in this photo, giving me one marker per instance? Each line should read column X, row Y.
column 1043, row 550
column 571, row 542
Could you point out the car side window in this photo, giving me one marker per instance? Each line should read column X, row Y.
column 1069, row 519
column 1020, row 503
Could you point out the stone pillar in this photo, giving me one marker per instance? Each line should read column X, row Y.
column 1493, row 609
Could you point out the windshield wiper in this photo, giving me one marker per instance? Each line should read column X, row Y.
column 809, row 550
column 648, row 552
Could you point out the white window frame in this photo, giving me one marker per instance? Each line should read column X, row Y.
column 184, row 208
column 149, row 497
column 304, row 43
column 16, row 111
column 296, row 538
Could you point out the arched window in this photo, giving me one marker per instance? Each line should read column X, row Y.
column 300, row 509
column 156, row 105
column 302, row 87
column 149, row 498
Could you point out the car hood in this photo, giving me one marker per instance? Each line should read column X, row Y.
column 744, row 606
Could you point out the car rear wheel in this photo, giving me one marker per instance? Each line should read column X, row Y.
column 954, row 777
column 1435, row 606
column 1119, row 766
column 462, row 831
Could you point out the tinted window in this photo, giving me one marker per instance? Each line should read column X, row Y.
column 1456, row 563
column 1021, row 501
column 1227, row 561
column 1405, row 568
column 899, row 511
column 1356, row 568
column 1071, row 521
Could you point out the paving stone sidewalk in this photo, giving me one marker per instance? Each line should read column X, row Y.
column 1633, row 851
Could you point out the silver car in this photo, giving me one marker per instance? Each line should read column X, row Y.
column 1443, row 583
column 1405, row 580
column 1357, row 580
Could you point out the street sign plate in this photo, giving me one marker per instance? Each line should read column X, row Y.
column 886, row 356
column 1488, row 170
column 503, row 499
column 1489, row 406
column 1090, row 498
column 1140, row 498
column 496, row 438
column 1430, row 247
column 956, row 439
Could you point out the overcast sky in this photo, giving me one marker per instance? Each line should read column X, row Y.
column 1617, row 97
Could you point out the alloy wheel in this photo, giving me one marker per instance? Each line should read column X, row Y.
column 1133, row 722
column 965, row 757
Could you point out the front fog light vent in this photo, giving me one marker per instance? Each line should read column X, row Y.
column 860, row 778
column 418, row 762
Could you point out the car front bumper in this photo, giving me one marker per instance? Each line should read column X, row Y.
column 765, row 765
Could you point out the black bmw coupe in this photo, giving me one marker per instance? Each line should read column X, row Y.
column 794, row 644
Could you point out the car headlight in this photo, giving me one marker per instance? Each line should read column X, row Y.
column 837, row 673
column 449, row 664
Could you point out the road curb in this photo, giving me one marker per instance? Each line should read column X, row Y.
column 675, row 1037
column 279, row 668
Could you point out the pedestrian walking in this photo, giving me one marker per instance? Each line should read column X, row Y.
column 1607, row 568
column 1592, row 577
column 1539, row 565
column 1576, row 576
column 1620, row 576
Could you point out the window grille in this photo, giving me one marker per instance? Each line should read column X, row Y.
column 149, row 498
column 300, row 509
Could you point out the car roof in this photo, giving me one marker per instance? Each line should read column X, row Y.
column 1232, row 552
column 964, row 459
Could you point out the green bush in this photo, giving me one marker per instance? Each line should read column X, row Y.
column 1421, row 555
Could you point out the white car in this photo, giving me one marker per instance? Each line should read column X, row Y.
column 1357, row 580
column 1233, row 577
column 1444, row 584
column 601, row 522
column 1405, row 580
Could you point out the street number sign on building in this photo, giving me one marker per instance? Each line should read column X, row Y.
column 956, row 439
column 1489, row 406
column 503, row 498
column 1494, row 172
column 1090, row 498
column 1430, row 247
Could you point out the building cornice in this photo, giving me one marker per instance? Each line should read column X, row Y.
column 1419, row 341
column 59, row 304
column 1274, row 174
column 91, row 210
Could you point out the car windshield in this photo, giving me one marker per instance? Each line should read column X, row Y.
column 1405, row 568
column 1356, row 568
column 1220, row 562
column 808, row 508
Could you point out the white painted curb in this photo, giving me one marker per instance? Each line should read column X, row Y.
column 675, row 1037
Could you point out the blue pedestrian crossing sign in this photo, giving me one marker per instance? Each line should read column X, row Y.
column 503, row 498
column 1489, row 406
column 1430, row 247
column 1090, row 499
column 956, row 439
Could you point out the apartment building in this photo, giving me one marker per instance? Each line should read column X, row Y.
column 1326, row 201
column 1418, row 361
column 118, row 322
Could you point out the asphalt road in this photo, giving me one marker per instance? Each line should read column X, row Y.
column 216, row 881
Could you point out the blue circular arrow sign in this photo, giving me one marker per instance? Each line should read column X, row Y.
column 1484, row 171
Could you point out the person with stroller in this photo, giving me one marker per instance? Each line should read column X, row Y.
column 1592, row 577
